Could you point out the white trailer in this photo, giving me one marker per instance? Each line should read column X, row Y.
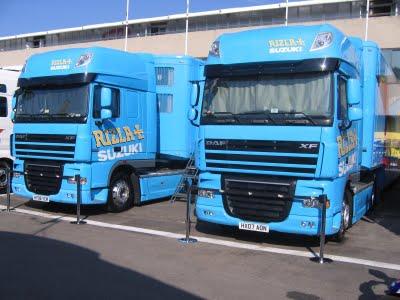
column 8, row 84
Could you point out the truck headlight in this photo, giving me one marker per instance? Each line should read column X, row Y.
column 322, row 40
column 205, row 193
column 313, row 202
column 71, row 180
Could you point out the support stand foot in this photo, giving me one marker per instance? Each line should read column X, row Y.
column 78, row 222
column 187, row 241
column 321, row 261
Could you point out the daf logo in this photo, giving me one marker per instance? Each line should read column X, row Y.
column 69, row 137
column 308, row 146
column 21, row 136
column 215, row 143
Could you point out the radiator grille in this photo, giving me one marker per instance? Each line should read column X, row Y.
column 40, row 146
column 43, row 178
column 258, row 199
column 262, row 156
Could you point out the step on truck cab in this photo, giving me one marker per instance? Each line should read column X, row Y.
column 8, row 84
column 117, row 119
column 290, row 114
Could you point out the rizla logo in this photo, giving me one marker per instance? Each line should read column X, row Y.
column 286, row 45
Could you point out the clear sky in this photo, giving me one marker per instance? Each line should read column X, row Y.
column 25, row 16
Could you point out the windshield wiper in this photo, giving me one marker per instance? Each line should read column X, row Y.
column 223, row 113
column 24, row 115
column 259, row 112
column 69, row 115
column 296, row 113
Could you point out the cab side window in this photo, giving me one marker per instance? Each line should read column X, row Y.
column 3, row 107
column 343, row 105
column 3, row 88
column 115, row 102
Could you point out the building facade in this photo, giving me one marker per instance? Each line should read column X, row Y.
column 167, row 34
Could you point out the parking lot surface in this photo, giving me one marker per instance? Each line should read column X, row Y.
column 136, row 254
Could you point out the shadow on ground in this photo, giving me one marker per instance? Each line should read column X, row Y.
column 387, row 212
column 367, row 288
column 39, row 268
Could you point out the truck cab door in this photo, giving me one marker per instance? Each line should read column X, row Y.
column 349, row 133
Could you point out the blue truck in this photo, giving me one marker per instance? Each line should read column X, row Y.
column 117, row 119
column 290, row 115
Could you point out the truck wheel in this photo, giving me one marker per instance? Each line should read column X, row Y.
column 347, row 216
column 120, row 193
column 3, row 177
column 375, row 197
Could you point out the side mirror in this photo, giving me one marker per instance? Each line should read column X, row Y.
column 353, row 91
column 192, row 114
column 105, row 113
column 106, row 97
column 13, row 103
column 13, row 108
column 355, row 114
column 195, row 97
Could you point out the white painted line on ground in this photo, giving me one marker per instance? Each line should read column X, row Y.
column 213, row 241
column 5, row 195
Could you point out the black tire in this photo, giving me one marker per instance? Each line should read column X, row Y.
column 120, row 193
column 372, row 200
column 3, row 176
column 347, row 216
column 377, row 194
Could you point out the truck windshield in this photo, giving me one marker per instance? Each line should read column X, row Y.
column 295, row 99
column 60, row 105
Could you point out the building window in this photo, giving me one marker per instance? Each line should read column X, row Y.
column 165, row 103
column 39, row 41
column 165, row 76
column 392, row 57
column 3, row 107
column 158, row 28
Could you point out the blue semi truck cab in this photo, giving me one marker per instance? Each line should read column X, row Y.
column 290, row 114
column 117, row 119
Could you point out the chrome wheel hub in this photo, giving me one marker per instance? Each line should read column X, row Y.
column 120, row 192
column 346, row 215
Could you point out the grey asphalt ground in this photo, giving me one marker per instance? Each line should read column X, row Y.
column 51, row 259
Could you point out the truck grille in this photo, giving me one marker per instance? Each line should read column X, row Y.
column 259, row 199
column 49, row 146
column 43, row 178
column 262, row 156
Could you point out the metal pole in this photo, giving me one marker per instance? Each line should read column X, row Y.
column 187, row 26
column 287, row 12
column 322, row 231
column 366, row 21
column 126, row 25
column 187, row 239
column 322, row 199
column 78, row 201
column 8, row 177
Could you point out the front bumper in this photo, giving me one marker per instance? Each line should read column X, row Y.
column 296, row 224
column 300, row 220
column 68, row 191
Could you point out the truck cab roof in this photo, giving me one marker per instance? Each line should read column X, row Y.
column 88, row 62
column 288, row 43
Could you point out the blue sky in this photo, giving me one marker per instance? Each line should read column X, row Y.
column 24, row 16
